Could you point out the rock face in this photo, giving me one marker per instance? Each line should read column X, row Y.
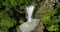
column 50, row 3
column 39, row 28
column 29, row 26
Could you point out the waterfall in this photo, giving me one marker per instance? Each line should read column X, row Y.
column 29, row 11
column 31, row 24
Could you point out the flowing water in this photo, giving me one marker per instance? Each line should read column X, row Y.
column 31, row 24
column 29, row 11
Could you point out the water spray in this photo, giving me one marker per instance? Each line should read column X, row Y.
column 29, row 11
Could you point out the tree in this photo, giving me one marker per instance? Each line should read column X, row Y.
column 11, row 11
column 49, row 16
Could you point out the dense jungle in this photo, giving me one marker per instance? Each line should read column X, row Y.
column 12, row 14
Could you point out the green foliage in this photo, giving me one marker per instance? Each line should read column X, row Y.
column 15, row 7
column 6, row 21
column 52, row 25
column 51, row 21
column 9, row 11
column 50, row 17
column 53, row 28
column 3, row 29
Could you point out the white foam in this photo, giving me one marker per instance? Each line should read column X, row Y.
column 29, row 26
column 29, row 11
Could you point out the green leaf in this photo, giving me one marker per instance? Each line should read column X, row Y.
column 7, row 21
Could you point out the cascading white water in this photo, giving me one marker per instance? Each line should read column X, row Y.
column 31, row 24
column 29, row 11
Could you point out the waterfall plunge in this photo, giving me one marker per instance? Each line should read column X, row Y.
column 31, row 24
column 29, row 11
